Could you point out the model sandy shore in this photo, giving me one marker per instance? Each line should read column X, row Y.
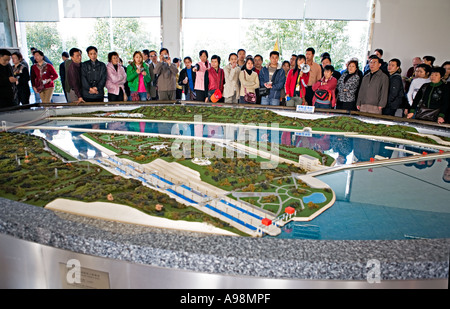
column 126, row 214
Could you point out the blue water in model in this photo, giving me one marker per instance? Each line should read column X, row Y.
column 315, row 197
column 404, row 201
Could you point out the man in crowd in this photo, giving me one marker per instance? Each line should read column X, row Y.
column 167, row 76
column 315, row 74
column 62, row 72
column 272, row 77
column 32, row 50
column 241, row 57
column 327, row 61
column 429, row 60
column 384, row 65
column 73, row 76
column 153, row 89
column 373, row 94
column 410, row 73
column 258, row 59
column 148, row 58
column 6, row 80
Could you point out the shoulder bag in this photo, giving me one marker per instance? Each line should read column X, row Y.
column 249, row 97
column 424, row 113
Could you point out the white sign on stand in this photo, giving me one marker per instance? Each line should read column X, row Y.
column 305, row 109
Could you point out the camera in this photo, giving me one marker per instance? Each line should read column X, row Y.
column 166, row 57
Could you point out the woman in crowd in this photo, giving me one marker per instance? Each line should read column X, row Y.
column 115, row 79
column 179, row 88
column 138, row 77
column 446, row 66
column 324, row 95
column 396, row 90
column 422, row 76
column 93, row 77
column 200, row 70
column 249, row 82
column 296, row 83
column 348, row 86
column 232, row 71
column 187, row 79
column 21, row 73
column 214, row 80
column 432, row 100
column 42, row 76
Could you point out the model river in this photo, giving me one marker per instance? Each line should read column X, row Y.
column 389, row 202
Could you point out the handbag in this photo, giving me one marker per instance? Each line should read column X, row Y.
column 135, row 96
column 38, row 81
column 262, row 92
column 424, row 113
column 39, row 85
column 192, row 95
column 249, row 97
column 427, row 114
column 321, row 94
column 216, row 96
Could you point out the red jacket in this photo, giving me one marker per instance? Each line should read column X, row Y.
column 291, row 81
column 49, row 73
column 214, row 79
column 330, row 86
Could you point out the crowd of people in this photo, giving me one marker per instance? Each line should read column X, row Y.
column 423, row 93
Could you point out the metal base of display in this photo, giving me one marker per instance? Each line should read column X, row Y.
column 28, row 265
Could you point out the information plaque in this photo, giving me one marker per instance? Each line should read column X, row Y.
column 305, row 109
column 75, row 277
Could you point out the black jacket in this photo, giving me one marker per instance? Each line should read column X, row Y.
column 93, row 75
column 182, row 76
column 396, row 91
column 6, row 90
column 433, row 96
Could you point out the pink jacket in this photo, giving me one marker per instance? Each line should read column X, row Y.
column 115, row 79
column 200, row 76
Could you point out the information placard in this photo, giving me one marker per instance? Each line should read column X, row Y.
column 305, row 109
column 75, row 277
